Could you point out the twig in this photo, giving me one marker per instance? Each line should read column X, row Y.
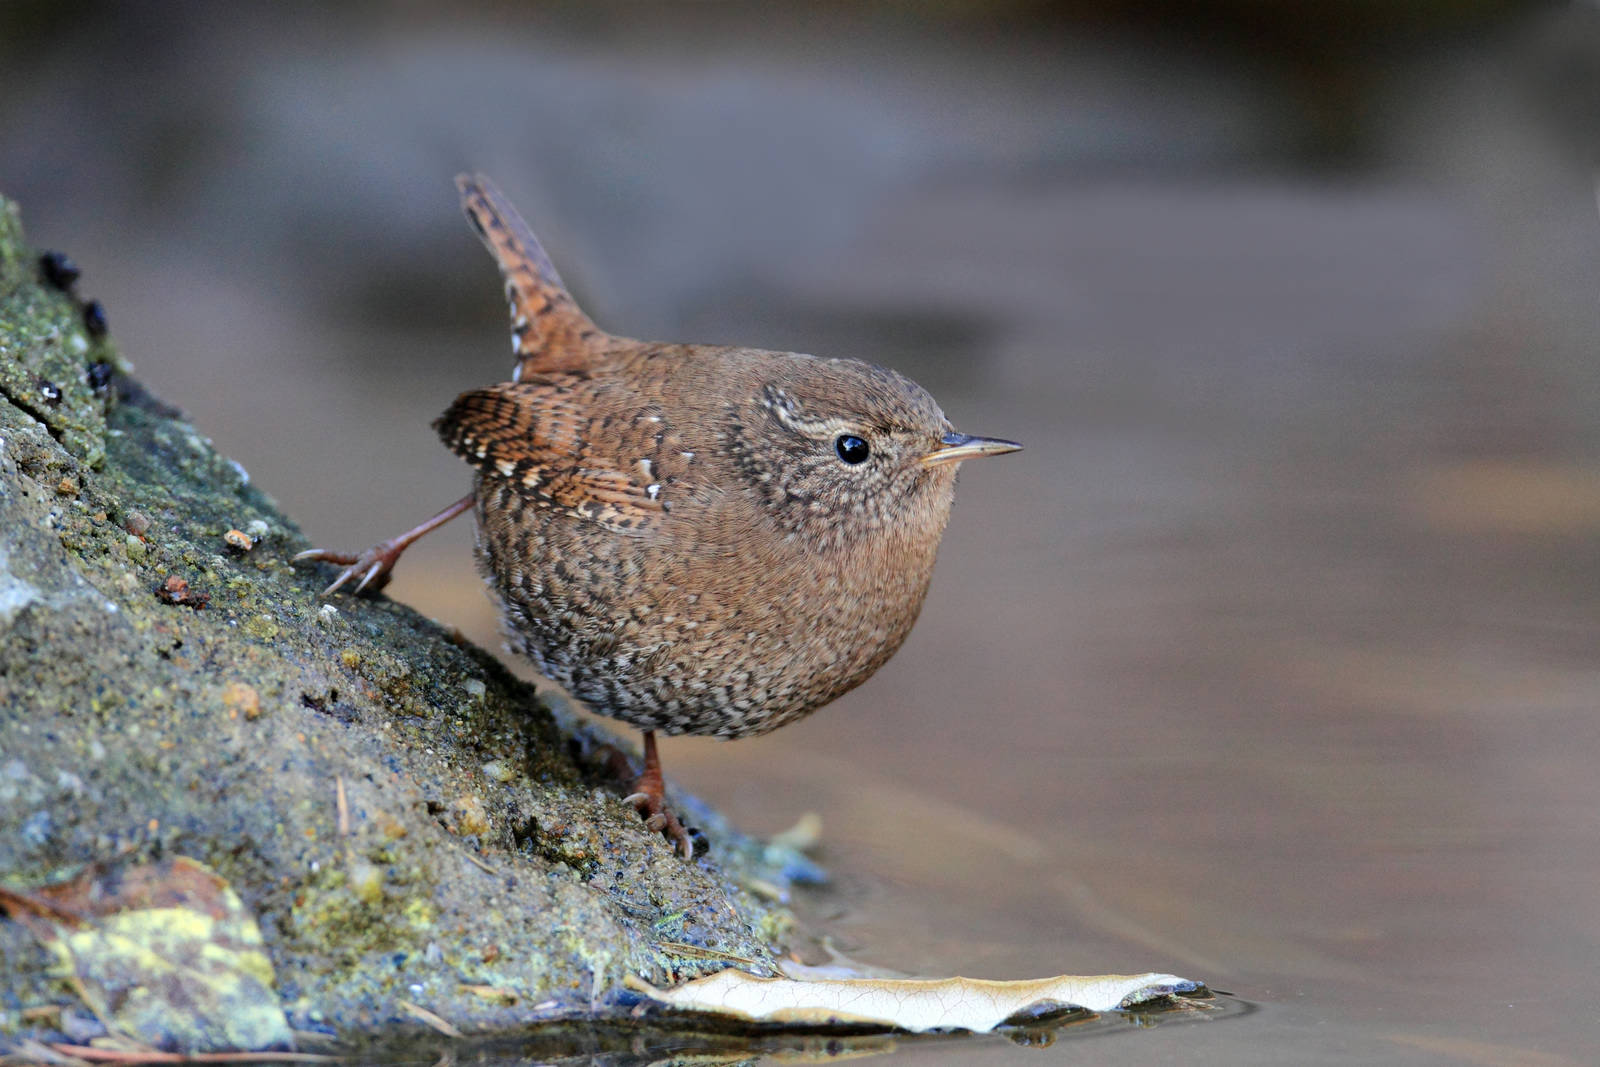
column 490, row 992
column 475, row 861
column 31, row 1053
column 342, row 804
column 424, row 1015
column 680, row 948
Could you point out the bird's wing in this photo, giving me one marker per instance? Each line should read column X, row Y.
column 538, row 438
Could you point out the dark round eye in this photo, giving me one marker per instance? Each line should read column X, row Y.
column 851, row 448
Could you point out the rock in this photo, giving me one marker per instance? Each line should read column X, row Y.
column 163, row 696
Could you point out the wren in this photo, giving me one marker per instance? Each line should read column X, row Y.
column 695, row 539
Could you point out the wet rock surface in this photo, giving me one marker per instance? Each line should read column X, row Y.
column 405, row 821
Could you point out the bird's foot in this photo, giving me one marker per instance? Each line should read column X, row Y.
column 649, row 799
column 369, row 569
column 658, row 818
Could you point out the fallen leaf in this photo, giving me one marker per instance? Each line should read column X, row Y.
column 915, row 1004
column 165, row 953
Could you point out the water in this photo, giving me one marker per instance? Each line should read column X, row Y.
column 1271, row 661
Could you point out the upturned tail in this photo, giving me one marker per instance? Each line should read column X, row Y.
column 549, row 332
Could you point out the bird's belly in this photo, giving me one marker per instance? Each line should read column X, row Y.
column 611, row 622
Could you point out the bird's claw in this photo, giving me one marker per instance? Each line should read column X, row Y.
column 658, row 820
column 371, row 567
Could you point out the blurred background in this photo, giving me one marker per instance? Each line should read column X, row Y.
column 1273, row 661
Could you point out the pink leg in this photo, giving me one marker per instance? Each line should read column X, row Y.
column 649, row 799
column 373, row 565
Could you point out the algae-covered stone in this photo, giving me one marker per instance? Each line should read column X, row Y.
column 47, row 354
column 327, row 763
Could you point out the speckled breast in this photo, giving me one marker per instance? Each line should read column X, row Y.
column 631, row 628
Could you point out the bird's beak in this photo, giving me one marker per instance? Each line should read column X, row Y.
column 955, row 447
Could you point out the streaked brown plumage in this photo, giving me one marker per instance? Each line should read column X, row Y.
column 691, row 538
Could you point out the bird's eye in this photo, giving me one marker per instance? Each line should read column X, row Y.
column 851, row 448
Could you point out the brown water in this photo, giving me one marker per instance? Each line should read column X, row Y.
column 1273, row 661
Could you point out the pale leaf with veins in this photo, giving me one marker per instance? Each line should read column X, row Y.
column 914, row 1004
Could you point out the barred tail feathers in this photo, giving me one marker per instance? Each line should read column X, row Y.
column 549, row 332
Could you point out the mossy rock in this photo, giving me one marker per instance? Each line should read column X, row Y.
column 404, row 821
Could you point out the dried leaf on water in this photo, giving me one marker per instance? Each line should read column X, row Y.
column 915, row 1004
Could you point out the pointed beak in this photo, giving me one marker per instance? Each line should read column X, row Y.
column 955, row 447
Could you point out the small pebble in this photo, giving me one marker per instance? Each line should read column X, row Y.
column 471, row 818
column 98, row 376
column 365, row 880
column 59, row 270
column 94, row 319
column 241, row 699
column 175, row 590
column 80, row 1027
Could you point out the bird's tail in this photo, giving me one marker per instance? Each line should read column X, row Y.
column 549, row 332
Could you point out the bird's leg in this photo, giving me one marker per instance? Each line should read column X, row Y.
column 649, row 800
column 372, row 567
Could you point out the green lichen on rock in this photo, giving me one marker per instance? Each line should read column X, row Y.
column 402, row 817
column 46, row 351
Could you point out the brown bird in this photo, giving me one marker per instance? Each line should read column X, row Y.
column 695, row 539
